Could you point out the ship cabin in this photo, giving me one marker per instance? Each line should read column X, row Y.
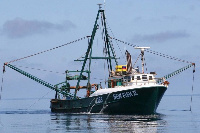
column 133, row 79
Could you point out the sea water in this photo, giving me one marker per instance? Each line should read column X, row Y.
column 34, row 116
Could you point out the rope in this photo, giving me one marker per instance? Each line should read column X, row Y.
column 145, row 64
column 105, row 71
column 192, row 89
column 39, row 99
column 136, row 60
column 47, row 50
column 114, row 37
column 102, row 24
column 2, row 80
column 154, row 52
column 106, row 43
column 39, row 69
column 1, row 86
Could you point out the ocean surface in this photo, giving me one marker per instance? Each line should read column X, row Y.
column 34, row 116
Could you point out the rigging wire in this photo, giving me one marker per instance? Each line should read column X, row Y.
column 104, row 48
column 82, row 38
column 38, row 69
column 145, row 64
column 1, row 86
column 154, row 52
column 2, row 80
column 105, row 42
column 104, row 72
column 192, row 90
column 136, row 60
column 39, row 99
column 115, row 41
column 108, row 41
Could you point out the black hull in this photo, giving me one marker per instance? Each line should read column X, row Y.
column 132, row 101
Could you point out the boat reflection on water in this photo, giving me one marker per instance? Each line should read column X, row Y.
column 107, row 123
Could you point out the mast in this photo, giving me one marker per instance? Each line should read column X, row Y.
column 142, row 55
column 88, row 55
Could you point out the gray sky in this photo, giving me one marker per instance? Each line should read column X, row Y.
column 28, row 27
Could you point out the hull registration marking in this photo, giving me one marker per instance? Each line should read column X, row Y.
column 125, row 95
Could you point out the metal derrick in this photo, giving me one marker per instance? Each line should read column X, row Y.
column 88, row 55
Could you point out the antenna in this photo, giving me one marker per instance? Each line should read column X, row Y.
column 99, row 6
column 104, row 5
column 142, row 55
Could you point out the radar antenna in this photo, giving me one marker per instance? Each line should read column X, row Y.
column 142, row 55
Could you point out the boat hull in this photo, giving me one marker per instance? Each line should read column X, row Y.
column 132, row 101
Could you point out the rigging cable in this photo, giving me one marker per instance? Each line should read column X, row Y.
column 145, row 64
column 38, row 69
column 154, row 52
column 192, row 89
column 136, row 60
column 1, row 86
column 105, row 50
column 111, row 44
column 115, row 41
column 39, row 99
column 2, row 80
column 47, row 50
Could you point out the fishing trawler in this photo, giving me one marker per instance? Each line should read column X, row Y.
column 128, row 90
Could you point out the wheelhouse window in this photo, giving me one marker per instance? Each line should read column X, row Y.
column 132, row 77
column 150, row 78
column 144, row 78
column 138, row 78
column 128, row 78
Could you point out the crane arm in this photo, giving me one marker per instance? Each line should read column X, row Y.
column 176, row 72
column 59, row 90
